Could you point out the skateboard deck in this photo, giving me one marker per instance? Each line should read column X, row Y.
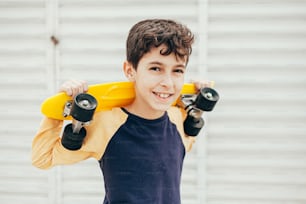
column 108, row 96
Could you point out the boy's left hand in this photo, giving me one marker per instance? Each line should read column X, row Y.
column 202, row 84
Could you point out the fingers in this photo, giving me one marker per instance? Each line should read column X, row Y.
column 74, row 87
column 202, row 84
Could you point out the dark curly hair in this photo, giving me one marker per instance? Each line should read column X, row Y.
column 154, row 32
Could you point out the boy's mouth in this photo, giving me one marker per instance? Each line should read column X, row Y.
column 163, row 95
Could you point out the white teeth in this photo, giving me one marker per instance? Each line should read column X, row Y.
column 163, row 95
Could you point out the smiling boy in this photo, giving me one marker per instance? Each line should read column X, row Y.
column 158, row 81
column 140, row 147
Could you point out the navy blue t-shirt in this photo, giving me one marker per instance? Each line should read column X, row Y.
column 142, row 163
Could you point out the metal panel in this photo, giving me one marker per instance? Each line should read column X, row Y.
column 256, row 139
column 22, row 81
column 93, row 34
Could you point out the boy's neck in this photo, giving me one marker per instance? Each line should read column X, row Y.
column 149, row 115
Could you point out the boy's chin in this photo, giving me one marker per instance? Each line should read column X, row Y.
column 162, row 108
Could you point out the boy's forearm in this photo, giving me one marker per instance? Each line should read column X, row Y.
column 46, row 139
column 48, row 151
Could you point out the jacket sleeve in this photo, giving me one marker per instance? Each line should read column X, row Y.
column 177, row 116
column 47, row 150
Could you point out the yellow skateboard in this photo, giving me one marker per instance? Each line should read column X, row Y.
column 117, row 94
column 108, row 95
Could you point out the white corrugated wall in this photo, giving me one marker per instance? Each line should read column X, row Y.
column 257, row 135
column 254, row 146
column 22, row 84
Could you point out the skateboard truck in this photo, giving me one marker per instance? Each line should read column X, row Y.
column 195, row 105
column 81, row 109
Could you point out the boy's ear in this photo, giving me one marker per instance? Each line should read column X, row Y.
column 129, row 71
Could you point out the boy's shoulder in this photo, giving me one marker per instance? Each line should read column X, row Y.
column 108, row 118
column 176, row 113
column 176, row 116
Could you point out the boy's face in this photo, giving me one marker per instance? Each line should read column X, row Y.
column 158, row 82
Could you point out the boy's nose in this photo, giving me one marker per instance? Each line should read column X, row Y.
column 166, row 80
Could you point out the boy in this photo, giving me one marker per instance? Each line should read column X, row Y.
column 140, row 147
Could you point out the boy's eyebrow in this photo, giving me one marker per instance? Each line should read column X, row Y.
column 159, row 63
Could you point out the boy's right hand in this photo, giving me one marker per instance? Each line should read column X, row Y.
column 74, row 87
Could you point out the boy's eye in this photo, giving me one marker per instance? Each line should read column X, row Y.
column 155, row 69
column 182, row 71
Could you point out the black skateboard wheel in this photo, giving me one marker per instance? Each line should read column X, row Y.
column 192, row 125
column 83, row 107
column 207, row 99
column 73, row 141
